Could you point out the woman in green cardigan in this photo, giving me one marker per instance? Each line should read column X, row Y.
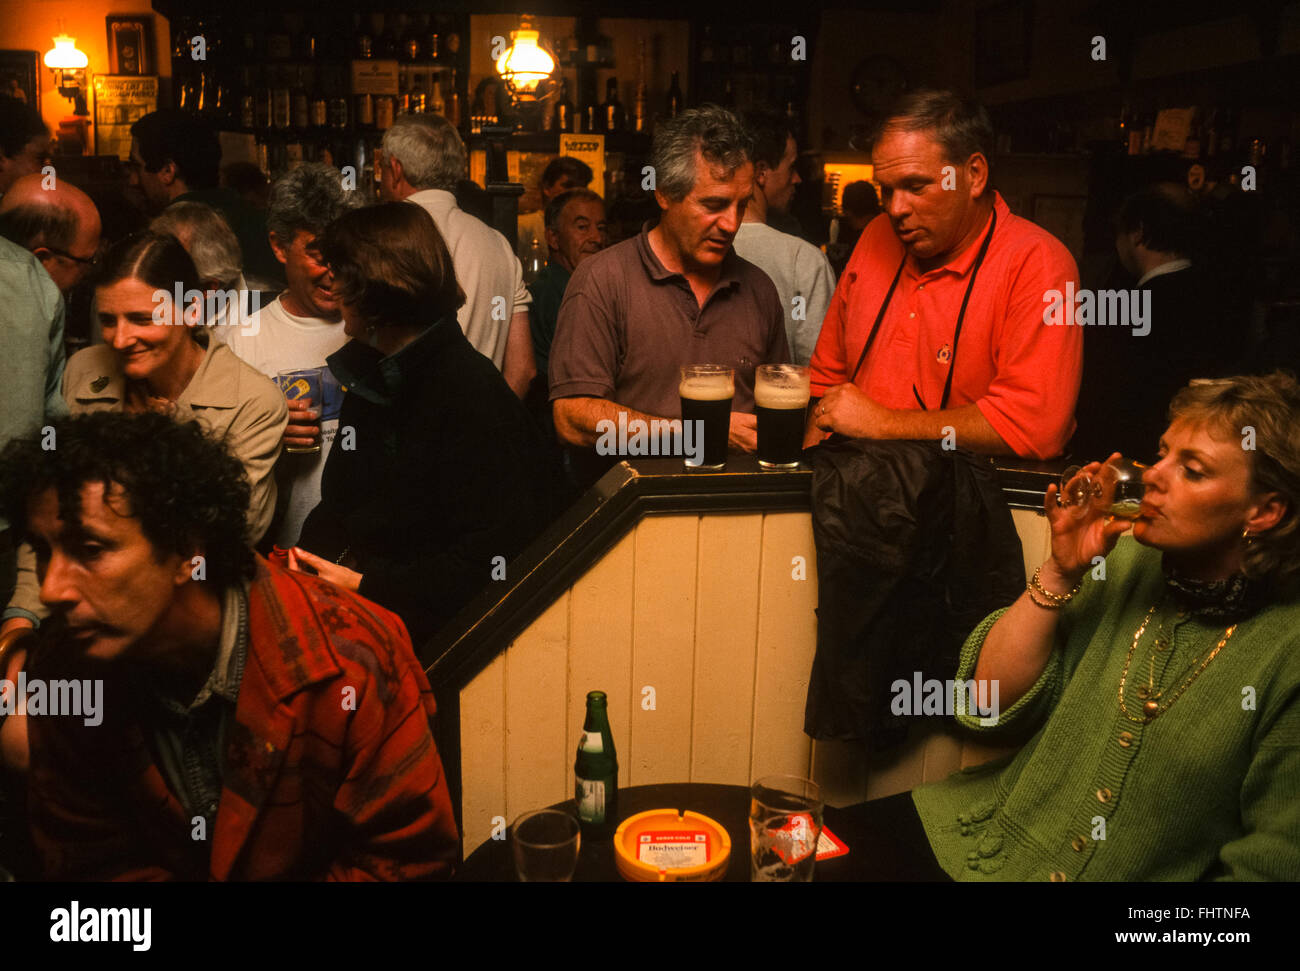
column 1157, row 693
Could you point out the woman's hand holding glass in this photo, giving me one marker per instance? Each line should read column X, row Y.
column 1081, row 529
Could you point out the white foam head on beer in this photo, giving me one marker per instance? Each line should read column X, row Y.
column 707, row 387
column 782, row 387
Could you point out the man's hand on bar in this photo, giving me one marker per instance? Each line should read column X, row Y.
column 847, row 410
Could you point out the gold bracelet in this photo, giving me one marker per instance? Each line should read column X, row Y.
column 1041, row 603
column 1058, row 599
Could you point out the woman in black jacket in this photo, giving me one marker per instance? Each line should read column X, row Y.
column 438, row 469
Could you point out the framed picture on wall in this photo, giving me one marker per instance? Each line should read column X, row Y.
column 120, row 101
column 130, row 44
column 20, row 76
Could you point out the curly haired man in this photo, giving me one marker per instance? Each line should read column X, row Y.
column 256, row 724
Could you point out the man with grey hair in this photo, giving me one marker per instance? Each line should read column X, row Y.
column 948, row 268
column 300, row 329
column 213, row 247
column 422, row 160
column 676, row 294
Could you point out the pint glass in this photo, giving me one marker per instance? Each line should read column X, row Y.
column 707, row 390
column 781, row 397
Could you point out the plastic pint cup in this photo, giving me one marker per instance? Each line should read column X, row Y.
column 781, row 400
column 707, row 390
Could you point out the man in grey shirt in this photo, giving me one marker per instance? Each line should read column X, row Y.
column 800, row 270
column 676, row 294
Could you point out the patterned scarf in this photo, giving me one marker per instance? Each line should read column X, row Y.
column 1220, row 601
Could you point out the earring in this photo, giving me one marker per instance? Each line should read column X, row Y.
column 1245, row 534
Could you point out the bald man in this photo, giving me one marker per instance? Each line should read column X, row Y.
column 59, row 225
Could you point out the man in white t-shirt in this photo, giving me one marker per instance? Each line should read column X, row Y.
column 423, row 158
column 300, row 329
column 801, row 272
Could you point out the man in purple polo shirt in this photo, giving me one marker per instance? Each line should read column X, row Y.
column 676, row 294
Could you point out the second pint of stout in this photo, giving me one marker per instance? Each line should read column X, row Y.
column 781, row 396
column 707, row 390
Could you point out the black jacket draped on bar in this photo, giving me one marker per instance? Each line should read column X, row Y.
column 915, row 546
column 447, row 472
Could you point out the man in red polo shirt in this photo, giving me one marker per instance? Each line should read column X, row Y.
column 993, row 376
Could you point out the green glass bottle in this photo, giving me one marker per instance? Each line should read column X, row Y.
column 596, row 772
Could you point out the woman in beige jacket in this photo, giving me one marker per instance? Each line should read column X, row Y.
column 158, row 356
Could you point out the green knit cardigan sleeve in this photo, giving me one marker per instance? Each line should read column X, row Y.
column 1032, row 708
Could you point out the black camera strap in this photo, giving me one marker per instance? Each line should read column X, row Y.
column 961, row 316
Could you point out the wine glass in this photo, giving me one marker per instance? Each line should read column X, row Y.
column 1116, row 489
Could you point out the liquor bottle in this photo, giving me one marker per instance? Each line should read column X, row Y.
column 596, row 772
column 638, row 104
column 591, row 120
column 392, row 45
column 299, row 104
column 564, row 109
column 532, row 267
column 611, row 112
column 383, row 111
column 452, row 97
column 436, row 106
column 417, row 97
column 365, row 43
column 429, row 40
column 281, row 114
column 338, row 101
column 262, row 100
column 403, row 89
column 364, row 111
column 319, row 108
column 675, row 100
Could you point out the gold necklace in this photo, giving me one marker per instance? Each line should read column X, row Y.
column 1151, row 707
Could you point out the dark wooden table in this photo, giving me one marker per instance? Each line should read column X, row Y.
column 855, row 826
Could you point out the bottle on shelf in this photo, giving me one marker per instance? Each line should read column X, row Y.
column 536, row 261
column 436, row 106
column 612, row 115
column 429, row 39
column 596, row 771
column 262, row 100
column 281, row 113
column 338, row 101
column 676, row 102
column 364, row 111
column 299, row 104
column 417, row 96
column 365, row 44
column 403, row 105
column 639, row 122
column 383, row 111
column 452, row 96
column 319, row 112
column 564, row 109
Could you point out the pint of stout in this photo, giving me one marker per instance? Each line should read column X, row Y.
column 781, row 396
column 707, row 390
